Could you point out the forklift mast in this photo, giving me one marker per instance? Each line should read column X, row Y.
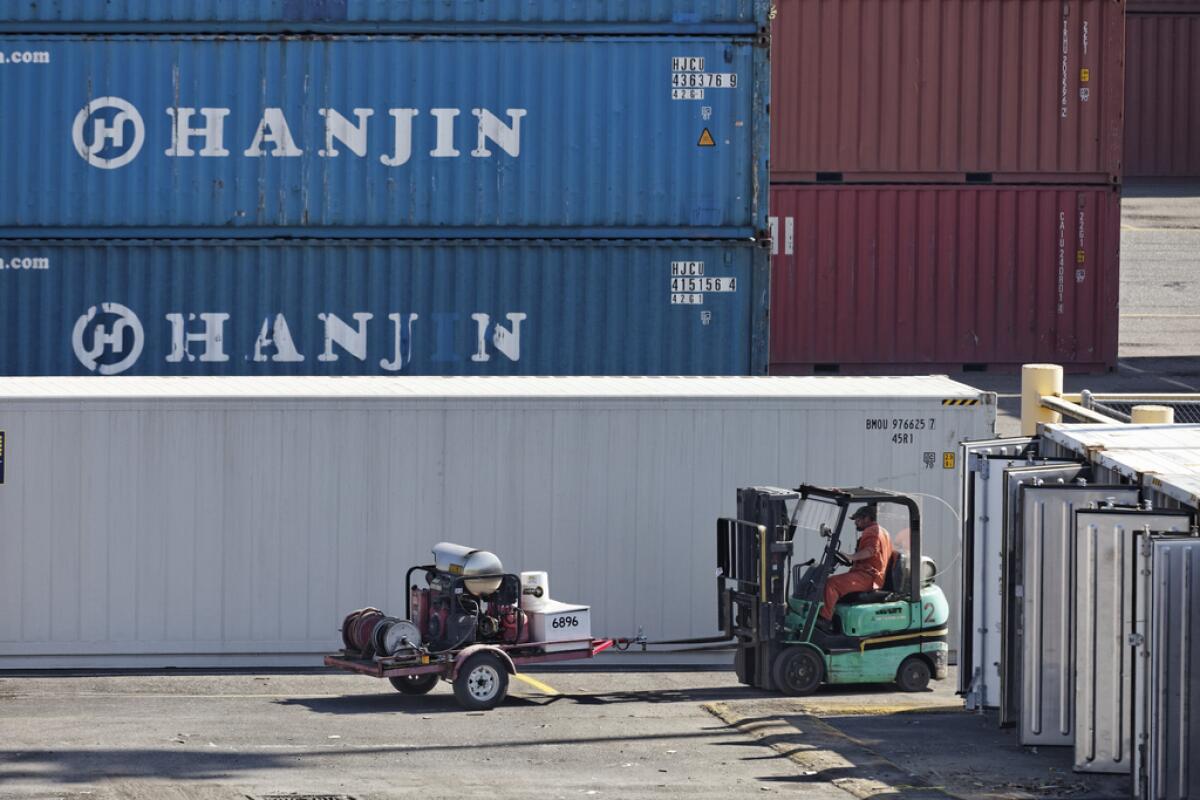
column 753, row 552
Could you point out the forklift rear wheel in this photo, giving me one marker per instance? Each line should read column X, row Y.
column 415, row 684
column 482, row 682
column 798, row 670
column 913, row 675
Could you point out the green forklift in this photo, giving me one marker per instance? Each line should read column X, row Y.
column 773, row 561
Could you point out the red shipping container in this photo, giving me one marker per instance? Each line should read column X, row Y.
column 917, row 278
column 1021, row 91
column 1162, row 100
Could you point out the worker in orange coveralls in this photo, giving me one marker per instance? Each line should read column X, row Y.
column 869, row 561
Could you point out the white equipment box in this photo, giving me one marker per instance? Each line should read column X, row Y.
column 562, row 625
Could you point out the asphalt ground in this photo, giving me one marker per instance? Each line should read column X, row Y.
column 228, row 736
column 560, row 734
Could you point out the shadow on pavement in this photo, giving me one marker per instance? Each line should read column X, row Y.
column 442, row 702
column 69, row 765
column 973, row 757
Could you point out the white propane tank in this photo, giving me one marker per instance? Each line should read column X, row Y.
column 535, row 591
column 458, row 559
column 928, row 571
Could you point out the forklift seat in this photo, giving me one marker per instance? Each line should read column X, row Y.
column 895, row 577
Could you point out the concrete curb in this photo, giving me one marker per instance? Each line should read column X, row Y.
column 830, row 756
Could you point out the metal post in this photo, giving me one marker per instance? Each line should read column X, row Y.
column 1038, row 381
column 1151, row 415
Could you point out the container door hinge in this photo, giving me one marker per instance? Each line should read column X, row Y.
column 1136, row 640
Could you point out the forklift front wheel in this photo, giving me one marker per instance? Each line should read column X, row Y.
column 798, row 670
column 913, row 675
column 739, row 665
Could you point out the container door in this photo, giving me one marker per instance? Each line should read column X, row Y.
column 1010, row 574
column 1104, row 589
column 982, row 504
column 1046, row 628
column 1168, row 718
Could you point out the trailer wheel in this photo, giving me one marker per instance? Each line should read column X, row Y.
column 798, row 670
column 482, row 682
column 913, row 675
column 415, row 684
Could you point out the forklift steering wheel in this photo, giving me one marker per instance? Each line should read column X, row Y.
column 842, row 558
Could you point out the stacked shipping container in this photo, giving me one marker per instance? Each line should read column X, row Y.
column 1162, row 97
column 525, row 188
column 1001, row 122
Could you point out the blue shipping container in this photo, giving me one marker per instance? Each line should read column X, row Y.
column 342, row 307
column 383, row 136
column 490, row 16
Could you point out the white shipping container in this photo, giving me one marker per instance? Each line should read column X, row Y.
column 234, row 521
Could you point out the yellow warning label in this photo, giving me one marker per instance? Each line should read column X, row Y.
column 947, row 460
column 1080, row 256
column 706, row 140
column 1085, row 75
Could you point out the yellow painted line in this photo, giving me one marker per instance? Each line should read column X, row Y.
column 1160, row 316
column 1140, row 229
column 535, row 683
column 833, row 709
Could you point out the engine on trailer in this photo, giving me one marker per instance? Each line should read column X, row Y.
column 455, row 609
column 467, row 598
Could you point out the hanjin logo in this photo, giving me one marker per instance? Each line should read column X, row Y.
column 108, row 132
column 121, row 338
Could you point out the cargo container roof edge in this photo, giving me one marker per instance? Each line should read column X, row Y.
column 363, row 233
column 501, row 17
column 740, row 29
column 526, row 388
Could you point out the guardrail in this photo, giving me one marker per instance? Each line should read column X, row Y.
column 1043, row 401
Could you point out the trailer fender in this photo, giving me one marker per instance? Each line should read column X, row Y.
column 467, row 652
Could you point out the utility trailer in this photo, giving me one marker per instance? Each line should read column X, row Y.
column 471, row 624
column 479, row 673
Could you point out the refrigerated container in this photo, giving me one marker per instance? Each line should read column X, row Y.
column 203, row 521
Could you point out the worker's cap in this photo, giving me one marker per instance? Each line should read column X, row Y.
column 865, row 511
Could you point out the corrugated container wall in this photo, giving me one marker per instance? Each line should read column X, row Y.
column 1162, row 99
column 474, row 307
column 376, row 15
column 1018, row 91
column 163, row 522
column 919, row 278
column 549, row 136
